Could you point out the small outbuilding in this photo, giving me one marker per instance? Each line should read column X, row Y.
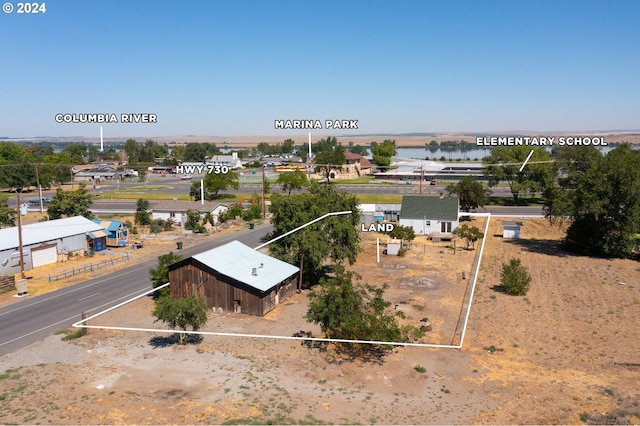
column 235, row 278
column 511, row 229
column 115, row 232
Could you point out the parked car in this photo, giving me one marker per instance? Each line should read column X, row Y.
column 37, row 202
column 434, row 182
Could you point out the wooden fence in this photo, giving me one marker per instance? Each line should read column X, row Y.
column 7, row 284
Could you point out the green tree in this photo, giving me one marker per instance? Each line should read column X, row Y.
column 515, row 278
column 17, row 174
column 353, row 311
column 183, row 313
column 160, row 275
column 292, row 180
column 470, row 234
column 133, row 150
column 334, row 238
column 7, row 214
column 601, row 197
column 331, row 156
column 358, row 149
column 193, row 222
column 472, row 194
column 142, row 216
column 70, row 203
column 288, row 146
column 382, row 153
column 504, row 164
column 214, row 183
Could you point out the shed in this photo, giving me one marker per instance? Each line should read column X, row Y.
column 42, row 242
column 393, row 247
column 115, row 231
column 511, row 229
column 234, row 278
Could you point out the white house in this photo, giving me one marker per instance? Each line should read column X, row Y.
column 177, row 210
column 232, row 161
column 430, row 215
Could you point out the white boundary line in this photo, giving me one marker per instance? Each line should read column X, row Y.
column 81, row 323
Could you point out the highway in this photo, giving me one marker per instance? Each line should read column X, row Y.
column 32, row 318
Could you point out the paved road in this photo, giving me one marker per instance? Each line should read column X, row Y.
column 33, row 318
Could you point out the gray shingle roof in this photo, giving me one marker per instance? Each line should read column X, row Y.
column 429, row 207
column 236, row 260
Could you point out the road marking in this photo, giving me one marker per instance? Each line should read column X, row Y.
column 40, row 329
column 525, row 161
column 90, row 296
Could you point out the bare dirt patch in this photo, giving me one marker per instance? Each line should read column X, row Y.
column 554, row 356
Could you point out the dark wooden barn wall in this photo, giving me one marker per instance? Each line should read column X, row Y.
column 223, row 292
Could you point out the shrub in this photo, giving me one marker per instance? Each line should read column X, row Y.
column 515, row 278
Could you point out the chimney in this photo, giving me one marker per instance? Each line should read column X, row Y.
column 254, row 271
column 262, row 266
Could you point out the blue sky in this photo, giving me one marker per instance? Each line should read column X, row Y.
column 230, row 68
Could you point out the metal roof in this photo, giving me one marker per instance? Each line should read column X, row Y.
column 236, row 260
column 41, row 232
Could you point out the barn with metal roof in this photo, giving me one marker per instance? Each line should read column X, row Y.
column 234, row 278
column 43, row 242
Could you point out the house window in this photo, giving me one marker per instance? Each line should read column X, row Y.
column 172, row 215
column 445, row 227
column 427, row 223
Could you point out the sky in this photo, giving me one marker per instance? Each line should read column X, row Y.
column 231, row 68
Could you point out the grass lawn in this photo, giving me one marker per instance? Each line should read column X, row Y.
column 508, row 201
column 360, row 180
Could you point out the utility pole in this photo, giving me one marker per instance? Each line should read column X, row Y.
column 421, row 178
column 264, row 210
column 39, row 189
column 22, row 276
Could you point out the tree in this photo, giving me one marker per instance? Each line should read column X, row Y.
column 504, row 163
column 71, row 203
column 292, row 180
column 7, row 214
column 183, row 313
column 358, row 149
column 383, row 152
column 334, row 238
column 142, row 216
column 601, row 196
column 132, row 148
column 193, row 222
column 402, row 232
column 515, row 278
column 470, row 234
column 331, row 156
column 160, row 275
column 345, row 310
column 214, row 183
column 472, row 194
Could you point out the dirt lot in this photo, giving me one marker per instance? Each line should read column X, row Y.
column 553, row 356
